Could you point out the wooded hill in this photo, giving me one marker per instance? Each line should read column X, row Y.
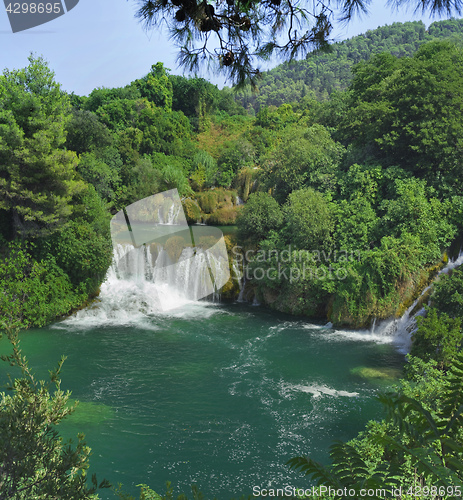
column 320, row 74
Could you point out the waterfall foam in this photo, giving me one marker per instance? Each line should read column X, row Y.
column 142, row 283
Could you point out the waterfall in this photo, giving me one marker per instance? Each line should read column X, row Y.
column 142, row 283
column 238, row 274
column 401, row 329
column 241, row 294
column 159, row 263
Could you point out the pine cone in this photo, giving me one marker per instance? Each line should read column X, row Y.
column 228, row 59
column 180, row 15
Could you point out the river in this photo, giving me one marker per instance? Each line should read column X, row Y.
column 218, row 395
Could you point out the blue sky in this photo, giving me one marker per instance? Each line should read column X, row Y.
column 100, row 44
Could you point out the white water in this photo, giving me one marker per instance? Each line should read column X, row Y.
column 398, row 331
column 142, row 283
column 316, row 390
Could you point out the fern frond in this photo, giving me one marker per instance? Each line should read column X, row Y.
column 348, row 463
column 427, row 462
column 317, row 471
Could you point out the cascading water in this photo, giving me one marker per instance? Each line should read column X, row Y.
column 401, row 330
column 142, row 282
column 167, row 266
column 397, row 331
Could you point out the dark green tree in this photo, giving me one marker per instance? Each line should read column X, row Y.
column 85, row 132
column 303, row 157
column 437, row 337
column 37, row 175
column 447, row 296
column 260, row 215
column 309, row 220
column 405, row 111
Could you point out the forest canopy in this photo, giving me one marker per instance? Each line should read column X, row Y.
column 360, row 158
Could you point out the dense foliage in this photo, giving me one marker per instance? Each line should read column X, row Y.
column 350, row 205
column 35, row 462
column 324, row 73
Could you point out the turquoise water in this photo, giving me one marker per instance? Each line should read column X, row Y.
column 221, row 396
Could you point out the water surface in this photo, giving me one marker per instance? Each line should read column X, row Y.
column 221, row 396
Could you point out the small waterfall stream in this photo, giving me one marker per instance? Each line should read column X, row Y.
column 401, row 329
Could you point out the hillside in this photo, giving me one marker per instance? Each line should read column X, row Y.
column 320, row 74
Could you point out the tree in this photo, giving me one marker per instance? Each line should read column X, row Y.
column 95, row 171
column 85, row 132
column 438, row 337
column 260, row 215
column 157, row 87
column 304, row 157
column 37, row 175
column 239, row 33
column 308, row 220
column 234, row 156
column 413, row 212
column 406, row 111
column 448, row 293
column 356, row 224
column 34, row 461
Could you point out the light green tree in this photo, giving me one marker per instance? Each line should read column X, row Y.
column 35, row 463
column 259, row 216
column 303, row 157
column 309, row 220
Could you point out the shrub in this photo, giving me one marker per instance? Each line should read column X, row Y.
column 208, row 201
column 260, row 215
column 308, row 220
column 192, row 210
column 224, row 216
column 34, row 292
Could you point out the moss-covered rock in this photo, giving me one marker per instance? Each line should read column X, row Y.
column 224, row 216
column 369, row 373
column 192, row 211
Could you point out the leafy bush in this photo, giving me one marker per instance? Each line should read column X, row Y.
column 308, row 220
column 224, row 216
column 438, row 337
column 82, row 248
column 208, row 201
column 192, row 210
column 260, row 215
column 103, row 178
column 448, row 293
column 33, row 292
column 376, row 285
